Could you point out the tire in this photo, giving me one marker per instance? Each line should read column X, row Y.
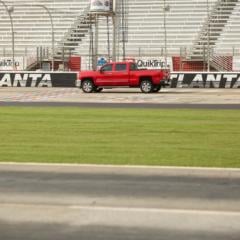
column 87, row 86
column 156, row 89
column 146, row 86
column 97, row 90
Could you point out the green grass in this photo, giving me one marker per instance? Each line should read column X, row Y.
column 121, row 136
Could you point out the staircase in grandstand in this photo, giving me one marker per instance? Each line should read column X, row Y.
column 207, row 38
column 83, row 30
column 73, row 37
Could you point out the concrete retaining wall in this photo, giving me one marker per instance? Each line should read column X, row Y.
column 63, row 79
column 37, row 79
column 205, row 80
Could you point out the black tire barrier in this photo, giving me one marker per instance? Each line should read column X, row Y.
column 205, row 80
column 37, row 79
column 178, row 79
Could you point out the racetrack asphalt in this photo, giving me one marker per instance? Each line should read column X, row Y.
column 122, row 98
column 45, row 202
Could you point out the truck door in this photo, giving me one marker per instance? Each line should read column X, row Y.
column 105, row 75
column 120, row 75
column 133, row 78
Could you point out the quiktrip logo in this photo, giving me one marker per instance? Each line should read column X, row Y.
column 150, row 64
column 205, row 80
column 6, row 63
column 154, row 63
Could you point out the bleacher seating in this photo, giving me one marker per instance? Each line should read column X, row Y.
column 146, row 31
column 185, row 21
column 229, row 41
column 32, row 24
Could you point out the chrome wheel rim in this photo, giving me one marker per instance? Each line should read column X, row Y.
column 146, row 86
column 87, row 86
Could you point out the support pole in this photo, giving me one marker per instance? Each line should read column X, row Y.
column 96, row 43
column 108, row 39
column 123, row 27
column 114, row 34
column 165, row 9
column 9, row 12
column 208, row 38
column 114, row 37
column 13, row 40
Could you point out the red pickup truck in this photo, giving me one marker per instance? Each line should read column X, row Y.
column 123, row 74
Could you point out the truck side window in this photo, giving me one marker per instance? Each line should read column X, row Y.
column 107, row 68
column 121, row 67
column 133, row 66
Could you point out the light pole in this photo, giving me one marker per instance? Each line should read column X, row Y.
column 208, row 37
column 114, row 30
column 9, row 12
column 51, row 20
column 123, row 29
column 95, row 65
column 166, row 8
column 52, row 31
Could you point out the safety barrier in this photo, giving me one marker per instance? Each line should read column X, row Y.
column 63, row 79
column 205, row 80
column 37, row 79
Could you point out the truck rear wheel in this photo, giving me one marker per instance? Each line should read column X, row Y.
column 97, row 90
column 88, row 86
column 156, row 89
column 146, row 86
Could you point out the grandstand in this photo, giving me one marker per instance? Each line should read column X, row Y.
column 196, row 30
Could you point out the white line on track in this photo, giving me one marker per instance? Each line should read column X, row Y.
column 228, row 173
column 156, row 210
column 117, row 166
column 175, row 219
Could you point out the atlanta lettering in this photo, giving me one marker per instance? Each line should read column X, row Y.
column 205, row 80
column 26, row 80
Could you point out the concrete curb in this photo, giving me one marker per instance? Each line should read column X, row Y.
column 228, row 173
column 137, row 105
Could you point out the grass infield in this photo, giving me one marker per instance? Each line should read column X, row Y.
column 206, row 138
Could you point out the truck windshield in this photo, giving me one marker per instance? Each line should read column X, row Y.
column 133, row 67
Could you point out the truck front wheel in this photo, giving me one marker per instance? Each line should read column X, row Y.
column 146, row 86
column 88, row 86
